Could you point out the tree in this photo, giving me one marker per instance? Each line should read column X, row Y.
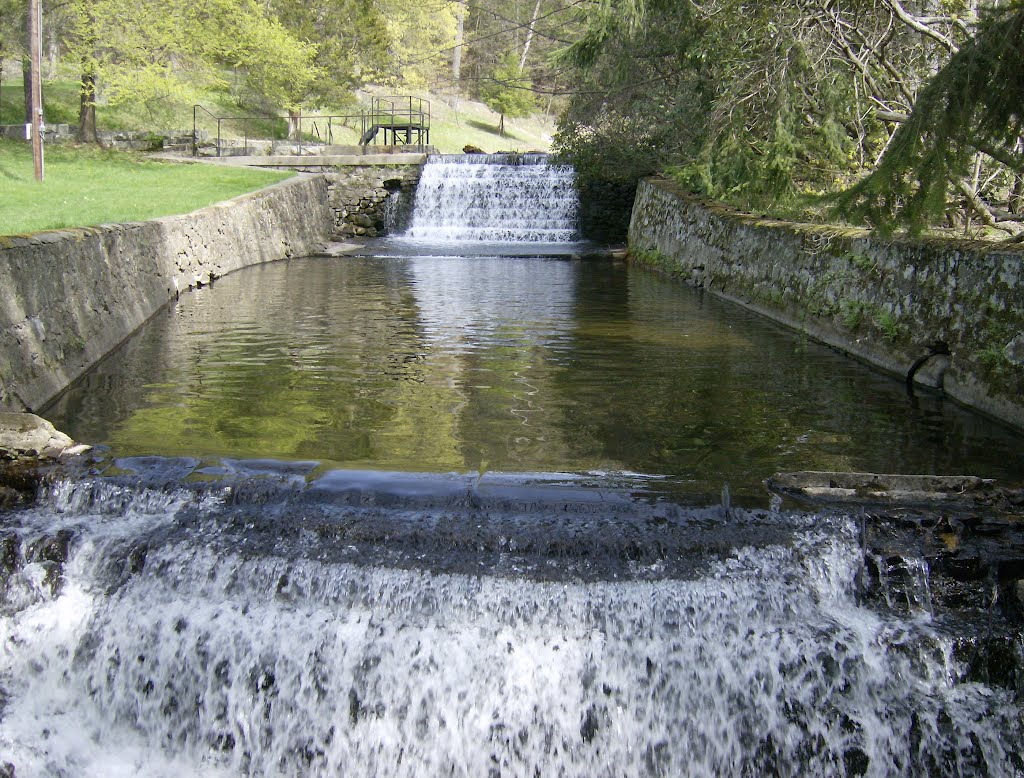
column 760, row 105
column 421, row 37
column 352, row 43
column 154, row 53
column 972, row 109
column 508, row 92
column 528, row 30
column 12, row 26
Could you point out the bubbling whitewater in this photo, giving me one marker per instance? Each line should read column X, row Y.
column 211, row 615
column 238, row 629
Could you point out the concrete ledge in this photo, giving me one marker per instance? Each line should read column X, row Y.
column 67, row 298
column 324, row 161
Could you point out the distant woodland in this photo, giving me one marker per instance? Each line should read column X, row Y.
column 897, row 114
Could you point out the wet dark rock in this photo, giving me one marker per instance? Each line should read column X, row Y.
column 19, row 481
column 7, row 770
column 590, row 726
column 991, row 659
column 9, row 497
column 51, row 553
column 848, row 488
column 355, row 707
column 52, row 548
column 10, row 547
column 136, row 560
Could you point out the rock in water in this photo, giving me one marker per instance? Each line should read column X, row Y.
column 28, row 435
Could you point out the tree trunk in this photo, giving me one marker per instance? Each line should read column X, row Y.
column 501, row 126
column 529, row 36
column 87, row 106
column 294, row 123
column 460, row 21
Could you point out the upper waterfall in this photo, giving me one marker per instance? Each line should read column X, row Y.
column 516, row 198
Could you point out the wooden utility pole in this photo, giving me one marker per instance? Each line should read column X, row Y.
column 35, row 28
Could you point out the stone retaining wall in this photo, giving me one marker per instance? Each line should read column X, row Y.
column 69, row 297
column 121, row 140
column 605, row 210
column 361, row 196
column 880, row 300
column 366, row 192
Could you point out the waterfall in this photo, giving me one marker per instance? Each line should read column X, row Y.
column 496, row 198
column 381, row 624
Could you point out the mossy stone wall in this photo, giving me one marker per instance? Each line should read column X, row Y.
column 882, row 300
column 69, row 297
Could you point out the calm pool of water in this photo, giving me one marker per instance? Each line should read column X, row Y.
column 440, row 364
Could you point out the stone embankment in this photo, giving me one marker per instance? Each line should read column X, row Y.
column 69, row 297
column 888, row 302
column 366, row 192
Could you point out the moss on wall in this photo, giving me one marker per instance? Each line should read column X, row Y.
column 884, row 301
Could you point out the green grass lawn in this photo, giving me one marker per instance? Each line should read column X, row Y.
column 84, row 186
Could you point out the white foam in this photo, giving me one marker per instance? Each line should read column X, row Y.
column 217, row 663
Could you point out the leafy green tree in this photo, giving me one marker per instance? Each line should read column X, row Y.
column 420, row 37
column 12, row 33
column 528, row 31
column 155, row 53
column 352, row 42
column 508, row 92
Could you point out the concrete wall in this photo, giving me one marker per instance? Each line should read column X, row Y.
column 879, row 300
column 69, row 297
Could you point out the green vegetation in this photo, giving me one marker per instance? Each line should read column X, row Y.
column 658, row 260
column 86, row 186
column 887, row 114
column 508, row 92
column 779, row 107
column 854, row 313
column 156, row 58
column 889, row 325
column 454, row 123
column 971, row 109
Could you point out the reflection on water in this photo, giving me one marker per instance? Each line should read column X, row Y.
column 512, row 364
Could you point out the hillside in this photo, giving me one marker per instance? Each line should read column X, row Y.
column 455, row 122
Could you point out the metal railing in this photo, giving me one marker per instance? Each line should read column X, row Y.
column 400, row 117
column 402, row 120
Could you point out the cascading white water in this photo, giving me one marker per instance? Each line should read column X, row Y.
column 494, row 198
column 217, row 633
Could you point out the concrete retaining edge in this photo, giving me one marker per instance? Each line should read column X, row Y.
column 69, row 297
column 881, row 301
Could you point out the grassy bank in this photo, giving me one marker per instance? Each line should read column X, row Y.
column 85, row 186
